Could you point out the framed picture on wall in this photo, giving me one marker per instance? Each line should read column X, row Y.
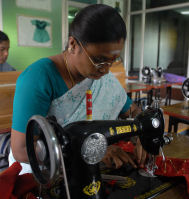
column 34, row 31
column 35, row 4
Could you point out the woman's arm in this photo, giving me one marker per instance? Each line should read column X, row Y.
column 117, row 156
column 132, row 112
column 18, row 146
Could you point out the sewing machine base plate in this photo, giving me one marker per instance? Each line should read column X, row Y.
column 137, row 186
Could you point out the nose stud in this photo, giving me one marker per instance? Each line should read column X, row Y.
column 70, row 49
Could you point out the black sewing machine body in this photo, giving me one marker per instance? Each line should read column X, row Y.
column 82, row 145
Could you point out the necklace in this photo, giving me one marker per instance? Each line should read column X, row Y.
column 67, row 68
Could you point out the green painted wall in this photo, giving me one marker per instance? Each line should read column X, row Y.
column 20, row 56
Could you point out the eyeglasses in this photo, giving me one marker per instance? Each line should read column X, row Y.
column 101, row 64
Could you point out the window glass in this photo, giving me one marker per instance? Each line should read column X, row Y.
column 151, row 40
column 135, row 45
column 159, row 3
column 136, row 5
column 166, row 41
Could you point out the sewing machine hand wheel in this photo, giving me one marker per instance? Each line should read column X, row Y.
column 43, row 148
column 146, row 71
column 160, row 71
column 185, row 88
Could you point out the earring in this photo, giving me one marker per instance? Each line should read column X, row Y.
column 70, row 49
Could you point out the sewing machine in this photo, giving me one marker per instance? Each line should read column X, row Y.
column 152, row 75
column 71, row 155
column 185, row 89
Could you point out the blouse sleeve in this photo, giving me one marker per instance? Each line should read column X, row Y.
column 127, row 105
column 33, row 96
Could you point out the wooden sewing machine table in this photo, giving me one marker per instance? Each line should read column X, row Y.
column 178, row 113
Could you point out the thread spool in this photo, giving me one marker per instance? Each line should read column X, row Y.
column 89, row 105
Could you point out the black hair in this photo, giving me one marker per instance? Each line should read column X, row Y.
column 3, row 37
column 98, row 23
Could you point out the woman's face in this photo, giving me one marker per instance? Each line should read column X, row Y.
column 4, row 51
column 92, row 54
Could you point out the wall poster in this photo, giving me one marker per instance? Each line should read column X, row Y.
column 35, row 4
column 34, row 31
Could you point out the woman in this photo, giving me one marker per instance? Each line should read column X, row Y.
column 57, row 85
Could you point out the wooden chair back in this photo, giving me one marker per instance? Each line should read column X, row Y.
column 7, row 89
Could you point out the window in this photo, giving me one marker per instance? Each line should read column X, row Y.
column 160, row 3
column 136, row 5
column 166, row 41
column 135, row 47
column 159, row 37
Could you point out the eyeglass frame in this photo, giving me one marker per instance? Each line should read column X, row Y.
column 97, row 65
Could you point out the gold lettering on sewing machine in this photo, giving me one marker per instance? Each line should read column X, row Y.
column 123, row 129
column 111, row 131
column 92, row 189
column 134, row 128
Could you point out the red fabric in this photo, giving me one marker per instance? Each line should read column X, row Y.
column 126, row 146
column 172, row 167
column 112, row 182
column 15, row 186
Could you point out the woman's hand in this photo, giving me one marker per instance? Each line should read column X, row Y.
column 115, row 155
column 140, row 154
